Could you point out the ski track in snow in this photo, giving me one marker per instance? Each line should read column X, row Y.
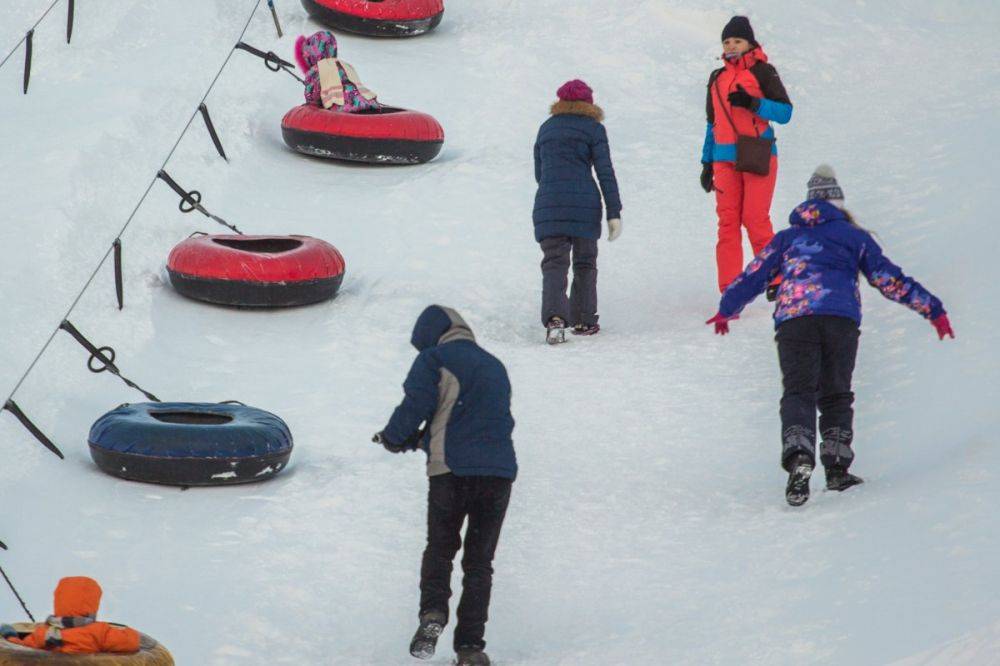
column 648, row 524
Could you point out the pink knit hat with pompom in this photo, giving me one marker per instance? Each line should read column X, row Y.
column 575, row 91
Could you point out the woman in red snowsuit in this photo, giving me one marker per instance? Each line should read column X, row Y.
column 744, row 96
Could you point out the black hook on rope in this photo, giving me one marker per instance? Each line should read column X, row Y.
column 107, row 362
column 14, row 409
column 271, row 60
column 192, row 201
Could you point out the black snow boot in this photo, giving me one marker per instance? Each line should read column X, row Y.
column 800, row 468
column 839, row 479
column 425, row 640
column 471, row 656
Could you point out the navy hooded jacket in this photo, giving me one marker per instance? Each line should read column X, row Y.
column 463, row 394
column 819, row 257
column 571, row 145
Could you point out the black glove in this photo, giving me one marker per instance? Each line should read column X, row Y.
column 743, row 99
column 379, row 438
column 8, row 631
column 707, row 173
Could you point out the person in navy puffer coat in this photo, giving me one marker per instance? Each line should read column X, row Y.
column 817, row 316
column 462, row 393
column 572, row 144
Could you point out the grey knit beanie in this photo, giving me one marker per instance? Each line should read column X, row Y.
column 823, row 185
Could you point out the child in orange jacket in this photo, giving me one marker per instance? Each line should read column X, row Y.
column 73, row 628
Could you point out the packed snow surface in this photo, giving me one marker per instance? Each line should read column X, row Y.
column 648, row 524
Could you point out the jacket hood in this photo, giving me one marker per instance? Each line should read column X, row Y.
column 814, row 212
column 564, row 108
column 748, row 59
column 437, row 325
column 77, row 596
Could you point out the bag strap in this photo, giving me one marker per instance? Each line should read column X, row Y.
column 725, row 110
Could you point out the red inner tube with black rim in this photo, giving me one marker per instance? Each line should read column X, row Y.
column 256, row 271
column 384, row 136
column 378, row 18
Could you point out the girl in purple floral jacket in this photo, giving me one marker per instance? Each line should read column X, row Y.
column 817, row 317
column 309, row 51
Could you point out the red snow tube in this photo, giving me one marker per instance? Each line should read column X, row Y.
column 378, row 18
column 384, row 136
column 256, row 271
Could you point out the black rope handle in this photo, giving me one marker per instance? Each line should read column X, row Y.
column 274, row 15
column 14, row 409
column 211, row 130
column 271, row 60
column 193, row 200
column 69, row 20
column 14, row 590
column 119, row 280
column 107, row 362
column 27, row 58
column 233, row 402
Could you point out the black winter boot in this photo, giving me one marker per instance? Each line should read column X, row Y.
column 471, row 656
column 799, row 470
column 839, row 479
column 425, row 640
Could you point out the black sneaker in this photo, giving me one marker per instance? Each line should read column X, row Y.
column 471, row 657
column 586, row 329
column 772, row 293
column 797, row 490
column 839, row 479
column 425, row 640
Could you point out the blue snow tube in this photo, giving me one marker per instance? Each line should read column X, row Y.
column 190, row 443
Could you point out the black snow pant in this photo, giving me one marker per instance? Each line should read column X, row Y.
column 483, row 499
column 581, row 306
column 817, row 355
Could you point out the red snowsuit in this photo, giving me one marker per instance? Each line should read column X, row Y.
column 80, row 597
column 742, row 199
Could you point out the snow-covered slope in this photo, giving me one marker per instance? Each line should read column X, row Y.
column 647, row 525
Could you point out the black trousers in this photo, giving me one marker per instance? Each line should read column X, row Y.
column 581, row 306
column 483, row 499
column 817, row 355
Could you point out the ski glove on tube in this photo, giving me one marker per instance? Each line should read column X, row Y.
column 8, row 631
column 614, row 228
column 943, row 327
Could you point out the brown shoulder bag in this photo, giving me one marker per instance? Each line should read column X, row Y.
column 753, row 153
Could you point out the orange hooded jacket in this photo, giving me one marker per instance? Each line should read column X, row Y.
column 80, row 596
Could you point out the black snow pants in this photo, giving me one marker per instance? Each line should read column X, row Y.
column 817, row 355
column 483, row 499
column 581, row 306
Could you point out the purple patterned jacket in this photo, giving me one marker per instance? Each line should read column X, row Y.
column 819, row 257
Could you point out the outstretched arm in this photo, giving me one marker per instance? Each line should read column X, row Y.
column 890, row 280
column 753, row 280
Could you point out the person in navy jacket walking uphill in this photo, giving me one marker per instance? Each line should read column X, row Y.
column 817, row 317
column 462, row 394
column 571, row 145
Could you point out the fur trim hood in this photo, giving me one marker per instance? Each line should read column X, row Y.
column 578, row 109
